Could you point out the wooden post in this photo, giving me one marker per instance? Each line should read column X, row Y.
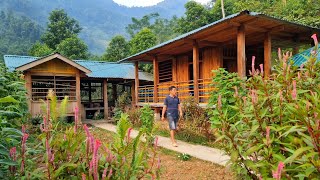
column 155, row 79
column 133, row 94
column 28, row 85
column 196, row 70
column 241, row 51
column 136, row 80
column 174, row 69
column 267, row 54
column 105, row 99
column 78, row 97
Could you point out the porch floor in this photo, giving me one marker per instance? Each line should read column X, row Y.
column 157, row 105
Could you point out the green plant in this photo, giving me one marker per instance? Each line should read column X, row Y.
column 184, row 156
column 147, row 123
column 134, row 116
column 122, row 105
column 273, row 129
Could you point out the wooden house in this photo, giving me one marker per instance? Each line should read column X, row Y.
column 188, row 60
column 85, row 82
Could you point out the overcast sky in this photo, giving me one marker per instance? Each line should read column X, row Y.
column 131, row 3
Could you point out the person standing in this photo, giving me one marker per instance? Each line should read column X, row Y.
column 174, row 111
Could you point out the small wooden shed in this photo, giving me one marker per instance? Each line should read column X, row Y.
column 85, row 82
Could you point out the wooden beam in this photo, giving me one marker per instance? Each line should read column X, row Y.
column 196, row 70
column 136, row 80
column 78, row 97
column 241, row 51
column 133, row 93
column 105, row 99
column 267, row 54
column 114, row 93
column 28, row 85
column 174, row 69
column 155, row 79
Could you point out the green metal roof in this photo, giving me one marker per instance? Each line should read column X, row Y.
column 99, row 69
column 302, row 57
column 210, row 25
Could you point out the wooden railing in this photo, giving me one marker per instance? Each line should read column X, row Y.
column 184, row 90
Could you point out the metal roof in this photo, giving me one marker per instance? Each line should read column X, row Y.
column 302, row 57
column 99, row 69
column 210, row 25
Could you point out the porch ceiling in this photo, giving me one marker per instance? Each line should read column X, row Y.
column 224, row 33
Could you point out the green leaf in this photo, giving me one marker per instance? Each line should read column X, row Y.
column 61, row 168
column 252, row 150
column 8, row 99
column 296, row 153
column 8, row 162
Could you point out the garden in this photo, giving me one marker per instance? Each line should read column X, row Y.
column 269, row 126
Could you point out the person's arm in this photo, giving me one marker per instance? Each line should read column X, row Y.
column 180, row 110
column 164, row 109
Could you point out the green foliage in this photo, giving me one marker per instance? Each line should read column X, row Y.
column 18, row 33
column 184, row 157
column 143, row 40
column 196, row 16
column 60, row 27
column 40, row 50
column 147, row 119
column 13, row 110
column 134, row 116
column 274, row 122
column 73, row 48
column 117, row 49
column 122, row 105
column 138, row 24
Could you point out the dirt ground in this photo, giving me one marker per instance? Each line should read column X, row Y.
column 173, row 168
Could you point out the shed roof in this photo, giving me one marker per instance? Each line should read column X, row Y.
column 224, row 31
column 99, row 69
column 302, row 57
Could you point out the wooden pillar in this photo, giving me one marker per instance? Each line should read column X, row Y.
column 133, row 94
column 241, row 51
column 28, row 85
column 105, row 99
column 174, row 69
column 155, row 78
column 78, row 97
column 267, row 54
column 196, row 70
column 136, row 80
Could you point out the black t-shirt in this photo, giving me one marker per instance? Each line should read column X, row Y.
column 172, row 105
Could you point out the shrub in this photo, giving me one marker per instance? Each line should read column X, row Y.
column 272, row 130
column 195, row 118
column 123, row 103
column 134, row 116
column 147, row 122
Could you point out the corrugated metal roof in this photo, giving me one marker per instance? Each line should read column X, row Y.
column 209, row 25
column 99, row 69
column 302, row 57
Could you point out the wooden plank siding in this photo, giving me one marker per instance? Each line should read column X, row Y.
column 54, row 66
column 212, row 60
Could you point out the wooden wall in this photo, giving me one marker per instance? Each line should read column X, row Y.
column 212, row 59
column 182, row 68
column 54, row 66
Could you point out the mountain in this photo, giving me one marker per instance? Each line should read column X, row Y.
column 100, row 19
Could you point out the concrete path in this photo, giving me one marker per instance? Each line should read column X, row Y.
column 201, row 152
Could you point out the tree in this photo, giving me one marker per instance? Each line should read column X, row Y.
column 196, row 16
column 138, row 24
column 39, row 50
column 117, row 49
column 142, row 41
column 60, row 27
column 73, row 48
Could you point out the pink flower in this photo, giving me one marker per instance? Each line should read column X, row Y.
column 299, row 77
column 252, row 65
column 277, row 174
column 219, row 102
column 294, row 91
column 13, row 153
column 301, row 66
column 315, row 39
column 279, row 53
column 281, row 97
column 110, row 174
column 159, row 162
column 64, row 137
column 86, row 129
column 104, row 174
column 84, row 176
column 76, row 113
column 52, row 157
column 90, row 168
column 268, row 135
column 95, row 159
column 23, row 130
column 244, row 100
column 261, row 69
column 128, row 135
column 254, row 96
column 156, row 142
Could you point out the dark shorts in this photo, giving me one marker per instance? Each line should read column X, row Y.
column 173, row 121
